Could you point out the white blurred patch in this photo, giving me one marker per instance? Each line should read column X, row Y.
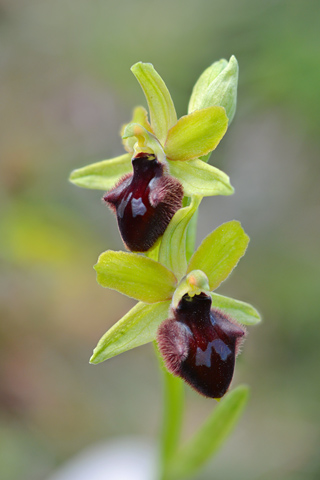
column 123, row 459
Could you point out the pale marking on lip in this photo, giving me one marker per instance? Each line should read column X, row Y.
column 138, row 207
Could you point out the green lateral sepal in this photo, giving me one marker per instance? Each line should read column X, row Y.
column 136, row 276
column 137, row 327
column 199, row 178
column 242, row 312
column 102, row 175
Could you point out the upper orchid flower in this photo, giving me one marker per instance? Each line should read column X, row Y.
column 169, row 149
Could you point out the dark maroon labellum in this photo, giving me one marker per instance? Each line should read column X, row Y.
column 144, row 202
column 200, row 344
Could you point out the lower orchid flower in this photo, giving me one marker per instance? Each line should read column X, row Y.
column 198, row 332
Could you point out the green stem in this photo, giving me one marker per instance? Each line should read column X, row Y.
column 172, row 419
column 192, row 229
column 173, row 408
column 173, row 387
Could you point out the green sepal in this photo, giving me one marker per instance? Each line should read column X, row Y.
column 172, row 251
column 220, row 252
column 200, row 87
column 242, row 312
column 162, row 112
column 102, row 175
column 196, row 134
column 222, row 90
column 210, row 436
column 136, row 276
column 140, row 115
column 137, row 327
column 199, row 178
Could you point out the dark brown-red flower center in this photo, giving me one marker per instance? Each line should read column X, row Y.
column 200, row 345
column 144, row 202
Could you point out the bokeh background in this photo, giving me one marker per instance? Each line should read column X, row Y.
column 66, row 88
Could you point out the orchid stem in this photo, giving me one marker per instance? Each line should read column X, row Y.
column 173, row 409
column 173, row 387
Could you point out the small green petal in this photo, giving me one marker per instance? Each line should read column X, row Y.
column 242, row 312
column 205, row 443
column 102, row 175
column 137, row 327
column 220, row 252
column 144, row 141
column 136, row 276
column 196, row 134
column 140, row 115
column 202, row 84
column 172, row 251
column 162, row 112
column 199, row 178
column 221, row 91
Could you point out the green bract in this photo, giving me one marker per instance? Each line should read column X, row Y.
column 160, row 284
column 217, row 86
column 194, row 454
column 177, row 143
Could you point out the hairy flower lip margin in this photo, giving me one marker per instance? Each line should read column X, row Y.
column 199, row 344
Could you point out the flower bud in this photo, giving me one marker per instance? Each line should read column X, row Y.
column 217, row 86
column 200, row 344
column 144, row 202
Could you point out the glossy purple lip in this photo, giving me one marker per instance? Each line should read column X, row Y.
column 200, row 344
column 144, row 202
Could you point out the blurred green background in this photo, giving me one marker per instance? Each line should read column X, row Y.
column 66, row 88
